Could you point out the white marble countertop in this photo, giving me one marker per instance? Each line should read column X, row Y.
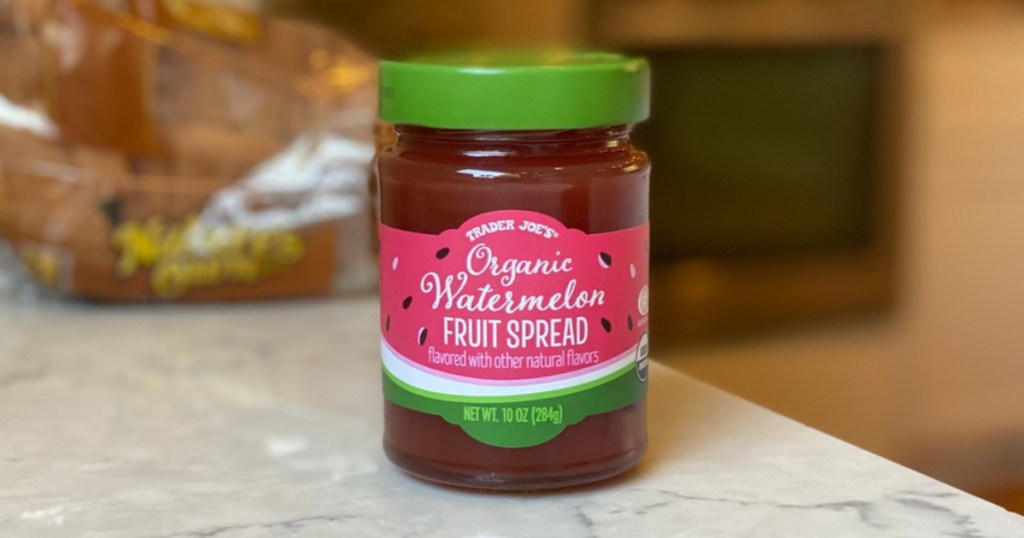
column 234, row 422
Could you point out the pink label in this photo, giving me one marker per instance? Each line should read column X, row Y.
column 513, row 296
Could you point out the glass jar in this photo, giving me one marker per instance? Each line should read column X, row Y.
column 514, row 260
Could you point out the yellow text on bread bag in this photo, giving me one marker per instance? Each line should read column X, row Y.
column 188, row 254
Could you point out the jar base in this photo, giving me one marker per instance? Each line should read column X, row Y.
column 556, row 478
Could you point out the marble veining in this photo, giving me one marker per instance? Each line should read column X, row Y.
column 245, row 422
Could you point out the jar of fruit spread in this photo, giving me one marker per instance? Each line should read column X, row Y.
column 514, row 264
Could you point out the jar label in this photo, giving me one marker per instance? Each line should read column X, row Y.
column 512, row 326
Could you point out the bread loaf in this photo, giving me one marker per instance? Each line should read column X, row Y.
column 146, row 120
column 101, row 90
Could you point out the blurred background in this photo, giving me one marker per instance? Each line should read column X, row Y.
column 838, row 205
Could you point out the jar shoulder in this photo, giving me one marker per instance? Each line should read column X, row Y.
column 396, row 163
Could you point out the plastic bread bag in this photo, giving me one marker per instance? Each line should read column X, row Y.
column 183, row 150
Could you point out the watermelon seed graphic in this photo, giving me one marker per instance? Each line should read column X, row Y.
column 443, row 253
column 387, row 323
column 423, row 335
column 629, row 322
column 407, row 302
column 606, row 324
column 604, row 259
column 632, row 271
column 394, row 264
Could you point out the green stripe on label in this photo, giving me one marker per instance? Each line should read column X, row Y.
column 512, row 398
column 523, row 420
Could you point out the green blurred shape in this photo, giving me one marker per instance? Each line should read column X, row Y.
column 761, row 151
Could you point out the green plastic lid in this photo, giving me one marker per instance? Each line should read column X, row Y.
column 515, row 90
